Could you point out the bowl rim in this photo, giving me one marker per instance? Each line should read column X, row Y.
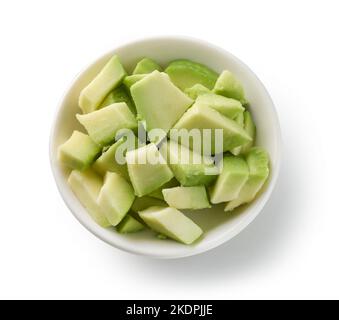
column 190, row 251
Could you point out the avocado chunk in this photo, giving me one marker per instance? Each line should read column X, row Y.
column 250, row 128
column 258, row 164
column 158, row 193
column 130, row 80
column 196, row 90
column 129, row 225
column 118, row 95
column 189, row 168
column 232, row 178
column 187, row 197
column 102, row 125
column 171, row 223
column 240, row 120
column 115, row 198
column 230, row 108
column 159, row 102
column 186, row 73
column 108, row 160
column 86, row 186
column 108, row 78
column 146, row 65
column 201, row 117
column 227, row 85
column 145, row 202
column 147, row 169
column 79, row 151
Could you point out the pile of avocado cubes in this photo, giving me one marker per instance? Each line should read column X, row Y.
column 134, row 196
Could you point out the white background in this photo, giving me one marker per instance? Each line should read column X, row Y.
column 289, row 251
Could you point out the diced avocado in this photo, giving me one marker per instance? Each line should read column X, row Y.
column 86, row 186
column 146, row 65
column 171, row 223
column 147, row 169
column 232, row 178
column 108, row 78
column 186, row 73
column 119, row 95
column 102, row 125
column 249, row 127
column 228, row 107
column 115, row 198
column 79, row 151
column 158, row 193
column 129, row 225
column 258, row 164
column 227, row 85
column 189, row 167
column 200, row 117
column 159, row 102
column 145, row 202
column 187, row 197
column 108, row 162
column 196, row 90
column 130, row 80
column 240, row 120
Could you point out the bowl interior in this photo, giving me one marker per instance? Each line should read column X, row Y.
column 218, row 225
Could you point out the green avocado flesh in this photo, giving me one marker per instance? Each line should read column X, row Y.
column 227, row 85
column 232, row 178
column 185, row 73
column 146, row 65
column 230, row 108
column 108, row 78
column 130, row 80
column 147, row 169
column 189, row 168
column 200, row 117
column 171, row 223
column 187, row 197
column 160, row 111
column 118, row 95
column 196, row 90
column 86, row 186
column 115, row 198
column 145, row 202
column 129, row 225
column 102, row 125
column 78, row 152
column 258, row 164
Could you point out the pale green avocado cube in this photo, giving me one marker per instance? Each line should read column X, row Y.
column 102, row 125
column 113, row 162
column 78, row 152
column 250, row 128
column 227, row 85
column 258, row 164
column 187, row 197
column 240, row 120
column 186, row 73
column 142, row 203
column 228, row 107
column 159, row 102
column 108, row 78
column 134, row 78
column 201, row 117
column 86, row 186
column 171, row 223
column 129, row 225
column 147, row 169
column 115, row 198
column 232, row 178
column 195, row 91
column 189, row 168
column 158, row 193
column 146, row 65
column 118, row 95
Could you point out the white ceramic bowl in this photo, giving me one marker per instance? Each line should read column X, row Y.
column 219, row 226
